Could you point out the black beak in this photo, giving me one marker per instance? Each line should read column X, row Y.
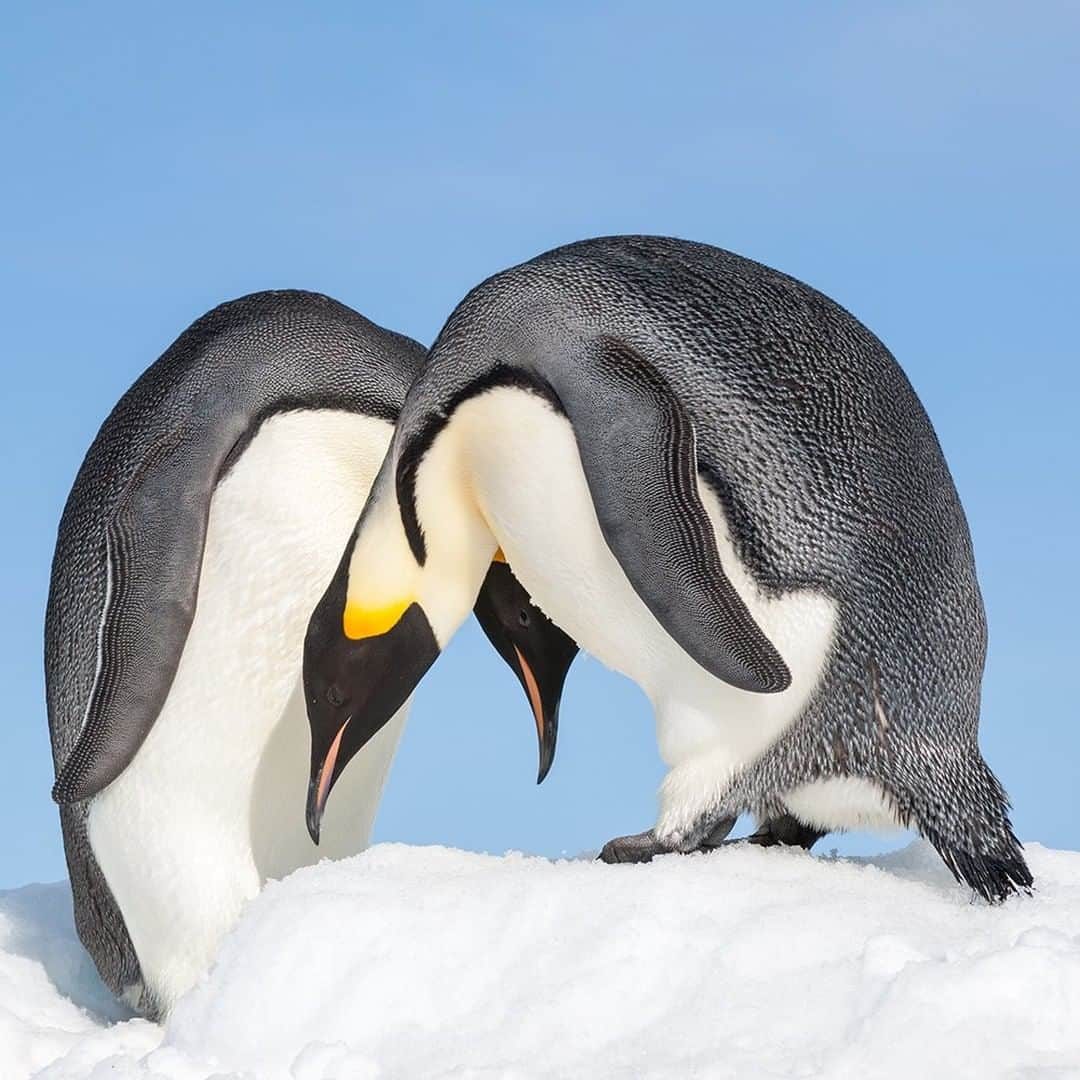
column 538, row 652
column 322, row 780
column 547, row 718
column 314, row 814
column 315, row 808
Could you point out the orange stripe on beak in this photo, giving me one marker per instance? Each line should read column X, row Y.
column 328, row 769
column 534, row 694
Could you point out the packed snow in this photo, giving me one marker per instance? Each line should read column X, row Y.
column 429, row 962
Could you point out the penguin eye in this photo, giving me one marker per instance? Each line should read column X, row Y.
column 523, row 617
column 334, row 696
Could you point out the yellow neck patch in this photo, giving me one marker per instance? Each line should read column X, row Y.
column 363, row 622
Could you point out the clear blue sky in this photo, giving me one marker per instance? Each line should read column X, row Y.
column 917, row 162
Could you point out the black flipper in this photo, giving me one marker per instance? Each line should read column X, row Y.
column 637, row 448
column 154, row 546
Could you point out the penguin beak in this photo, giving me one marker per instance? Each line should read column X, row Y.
column 537, row 651
column 322, row 780
column 546, row 717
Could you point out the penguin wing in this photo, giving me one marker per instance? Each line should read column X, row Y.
column 134, row 527
column 153, row 547
column 637, row 446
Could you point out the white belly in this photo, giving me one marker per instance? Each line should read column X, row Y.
column 842, row 802
column 533, row 492
column 213, row 803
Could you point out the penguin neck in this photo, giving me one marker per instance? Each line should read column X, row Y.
column 463, row 545
column 439, row 563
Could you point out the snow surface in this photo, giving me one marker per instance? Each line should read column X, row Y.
column 418, row 962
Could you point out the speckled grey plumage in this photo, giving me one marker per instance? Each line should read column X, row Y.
column 831, row 477
column 146, row 484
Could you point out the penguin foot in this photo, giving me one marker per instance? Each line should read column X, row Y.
column 640, row 848
column 783, row 831
column 643, row 847
column 717, row 836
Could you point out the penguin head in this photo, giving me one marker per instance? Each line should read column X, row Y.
column 391, row 609
column 347, row 703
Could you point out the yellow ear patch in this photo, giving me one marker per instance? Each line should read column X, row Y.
column 363, row 622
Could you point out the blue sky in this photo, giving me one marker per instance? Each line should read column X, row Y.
column 917, row 162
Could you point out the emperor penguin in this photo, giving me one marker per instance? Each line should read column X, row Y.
column 721, row 484
column 204, row 524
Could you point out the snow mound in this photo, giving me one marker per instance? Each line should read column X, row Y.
column 410, row 962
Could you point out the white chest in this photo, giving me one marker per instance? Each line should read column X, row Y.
column 213, row 803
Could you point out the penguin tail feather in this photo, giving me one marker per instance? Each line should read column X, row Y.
column 963, row 811
column 995, row 876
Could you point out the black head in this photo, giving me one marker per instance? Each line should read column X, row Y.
column 352, row 687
